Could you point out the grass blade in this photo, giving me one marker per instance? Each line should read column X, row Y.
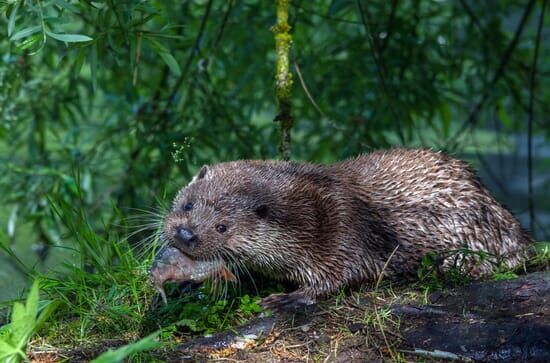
column 120, row 354
column 11, row 21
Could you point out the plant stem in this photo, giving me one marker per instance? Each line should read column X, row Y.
column 530, row 199
column 283, row 78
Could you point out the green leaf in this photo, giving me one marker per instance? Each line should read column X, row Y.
column 11, row 21
column 158, row 47
column 168, row 58
column 23, row 33
column 6, row 348
column 504, row 276
column 29, row 42
column 93, row 65
column 47, row 310
column 12, row 222
column 19, row 323
column 10, row 353
column 32, row 301
column 70, row 184
column 69, row 38
column 171, row 62
column 23, row 322
column 542, row 247
column 79, row 62
column 445, row 112
column 163, row 35
column 190, row 323
column 120, row 354
column 65, row 5
column 505, row 119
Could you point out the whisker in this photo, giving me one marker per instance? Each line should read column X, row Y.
column 139, row 230
column 154, row 210
column 147, row 244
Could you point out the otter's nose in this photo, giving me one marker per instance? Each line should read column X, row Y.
column 185, row 235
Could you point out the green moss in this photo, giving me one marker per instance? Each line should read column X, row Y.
column 283, row 77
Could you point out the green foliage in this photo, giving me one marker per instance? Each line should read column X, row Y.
column 249, row 306
column 200, row 318
column 108, row 290
column 450, row 268
column 26, row 319
column 145, row 76
column 433, row 275
column 108, row 107
column 108, row 293
column 505, row 275
column 120, row 354
column 540, row 254
column 201, row 312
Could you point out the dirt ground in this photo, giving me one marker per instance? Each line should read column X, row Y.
column 492, row 321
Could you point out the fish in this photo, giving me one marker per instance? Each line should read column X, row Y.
column 171, row 264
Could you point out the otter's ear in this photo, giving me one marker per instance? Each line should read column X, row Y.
column 262, row 211
column 202, row 173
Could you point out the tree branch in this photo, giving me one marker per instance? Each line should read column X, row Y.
column 224, row 23
column 473, row 117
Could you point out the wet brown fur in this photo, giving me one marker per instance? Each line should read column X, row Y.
column 326, row 226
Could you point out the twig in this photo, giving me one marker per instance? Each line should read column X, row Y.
column 381, row 326
column 389, row 26
column 473, row 117
column 530, row 200
column 332, row 123
column 304, row 87
column 379, row 280
column 437, row 354
column 138, row 58
column 224, row 23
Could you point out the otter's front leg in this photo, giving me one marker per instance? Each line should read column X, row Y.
column 301, row 298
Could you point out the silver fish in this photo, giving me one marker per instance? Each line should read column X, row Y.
column 171, row 264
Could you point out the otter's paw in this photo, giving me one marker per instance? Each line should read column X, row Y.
column 279, row 303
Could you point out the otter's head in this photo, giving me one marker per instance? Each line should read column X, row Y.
column 214, row 214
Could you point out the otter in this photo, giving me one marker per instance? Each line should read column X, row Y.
column 328, row 226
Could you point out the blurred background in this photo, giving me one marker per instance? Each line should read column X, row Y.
column 111, row 106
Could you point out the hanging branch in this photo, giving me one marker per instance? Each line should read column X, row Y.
column 283, row 78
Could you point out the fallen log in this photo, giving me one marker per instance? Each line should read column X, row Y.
column 492, row 321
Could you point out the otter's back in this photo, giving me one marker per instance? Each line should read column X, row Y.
column 432, row 202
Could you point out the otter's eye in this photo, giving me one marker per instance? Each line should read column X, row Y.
column 188, row 206
column 221, row 228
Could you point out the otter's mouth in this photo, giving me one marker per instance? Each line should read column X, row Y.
column 171, row 264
